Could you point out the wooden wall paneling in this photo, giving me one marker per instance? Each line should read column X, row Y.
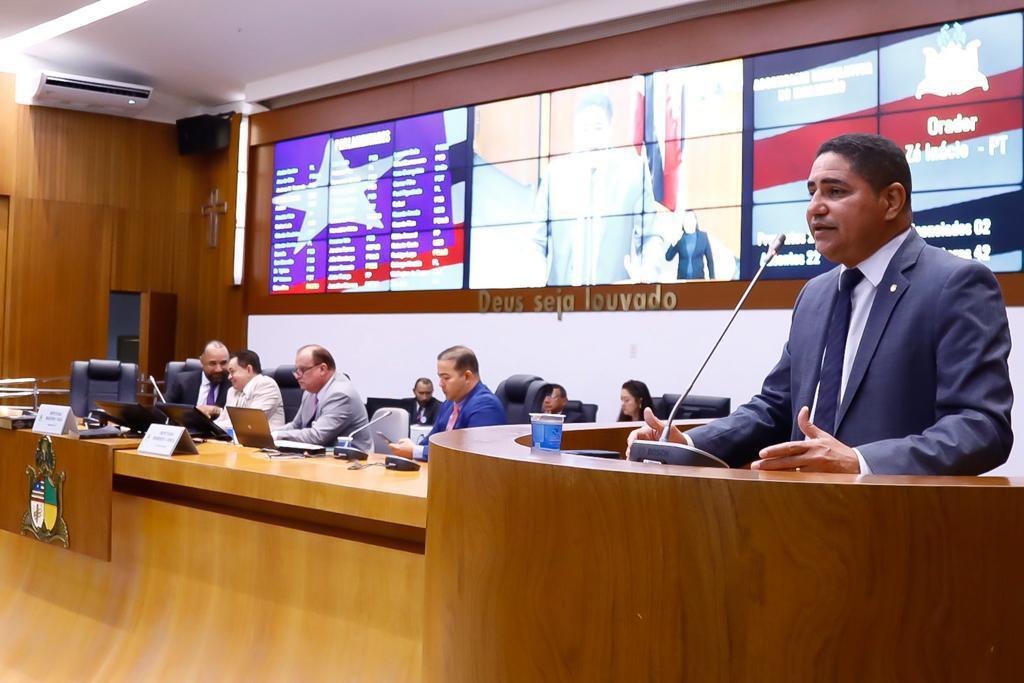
column 155, row 162
column 158, row 320
column 67, row 156
column 188, row 260
column 58, row 286
column 8, row 133
column 143, row 249
column 5, row 206
column 101, row 203
column 210, row 306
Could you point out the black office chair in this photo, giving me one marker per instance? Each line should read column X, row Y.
column 694, row 407
column 589, row 411
column 106, row 380
column 291, row 392
column 521, row 395
column 574, row 411
column 175, row 367
column 375, row 403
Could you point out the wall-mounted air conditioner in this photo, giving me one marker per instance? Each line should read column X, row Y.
column 90, row 94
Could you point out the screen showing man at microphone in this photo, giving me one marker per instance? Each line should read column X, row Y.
column 897, row 357
column 597, row 184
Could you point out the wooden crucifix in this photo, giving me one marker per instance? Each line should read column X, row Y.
column 214, row 210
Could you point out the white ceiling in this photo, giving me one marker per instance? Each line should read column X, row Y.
column 199, row 54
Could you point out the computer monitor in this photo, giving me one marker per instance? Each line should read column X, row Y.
column 135, row 416
column 193, row 420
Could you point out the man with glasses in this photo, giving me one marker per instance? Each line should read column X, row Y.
column 556, row 402
column 331, row 406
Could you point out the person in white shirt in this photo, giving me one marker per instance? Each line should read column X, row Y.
column 249, row 389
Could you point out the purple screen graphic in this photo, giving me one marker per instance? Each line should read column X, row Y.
column 299, row 164
column 377, row 186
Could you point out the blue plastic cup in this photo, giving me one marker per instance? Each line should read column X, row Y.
column 547, row 431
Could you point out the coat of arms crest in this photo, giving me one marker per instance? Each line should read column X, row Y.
column 44, row 519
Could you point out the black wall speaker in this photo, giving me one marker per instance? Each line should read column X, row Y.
column 204, row 133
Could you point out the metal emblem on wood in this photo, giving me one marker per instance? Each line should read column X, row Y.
column 45, row 516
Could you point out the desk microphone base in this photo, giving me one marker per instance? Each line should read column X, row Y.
column 671, row 453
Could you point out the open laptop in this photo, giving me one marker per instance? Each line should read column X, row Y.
column 252, row 429
column 134, row 416
column 193, row 420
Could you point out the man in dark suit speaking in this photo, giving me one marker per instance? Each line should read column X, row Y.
column 897, row 359
column 208, row 386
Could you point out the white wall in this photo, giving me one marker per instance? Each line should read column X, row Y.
column 590, row 353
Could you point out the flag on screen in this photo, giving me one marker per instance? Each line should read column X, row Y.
column 663, row 122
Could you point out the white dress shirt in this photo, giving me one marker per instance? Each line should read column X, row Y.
column 261, row 392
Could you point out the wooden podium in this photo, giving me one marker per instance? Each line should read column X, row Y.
column 569, row 568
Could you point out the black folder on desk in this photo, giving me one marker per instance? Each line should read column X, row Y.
column 193, row 420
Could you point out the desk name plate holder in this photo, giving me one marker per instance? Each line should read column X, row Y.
column 167, row 440
column 55, row 421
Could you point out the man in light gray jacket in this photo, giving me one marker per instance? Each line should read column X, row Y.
column 331, row 406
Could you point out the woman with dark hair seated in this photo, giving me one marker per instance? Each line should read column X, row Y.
column 635, row 397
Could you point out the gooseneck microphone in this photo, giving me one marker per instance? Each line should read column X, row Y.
column 351, row 452
column 156, row 389
column 670, row 452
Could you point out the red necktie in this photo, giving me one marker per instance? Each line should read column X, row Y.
column 453, row 418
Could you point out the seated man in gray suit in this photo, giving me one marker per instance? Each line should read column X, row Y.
column 331, row 406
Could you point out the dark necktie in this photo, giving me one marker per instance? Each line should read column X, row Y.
column 835, row 350
column 211, row 396
column 312, row 416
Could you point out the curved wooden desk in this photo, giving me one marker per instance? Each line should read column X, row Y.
column 557, row 567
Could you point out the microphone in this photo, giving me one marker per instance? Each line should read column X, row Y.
column 350, row 452
column 669, row 452
column 157, row 390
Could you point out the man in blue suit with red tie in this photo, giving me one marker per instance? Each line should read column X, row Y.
column 897, row 359
column 469, row 402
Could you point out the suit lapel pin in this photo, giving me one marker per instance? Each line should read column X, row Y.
column 893, row 289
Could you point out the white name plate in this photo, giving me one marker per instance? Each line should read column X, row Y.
column 166, row 440
column 54, row 420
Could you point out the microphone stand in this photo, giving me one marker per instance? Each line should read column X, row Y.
column 351, row 452
column 670, row 452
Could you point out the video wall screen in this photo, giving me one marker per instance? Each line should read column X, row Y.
column 682, row 174
column 373, row 208
column 950, row 96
